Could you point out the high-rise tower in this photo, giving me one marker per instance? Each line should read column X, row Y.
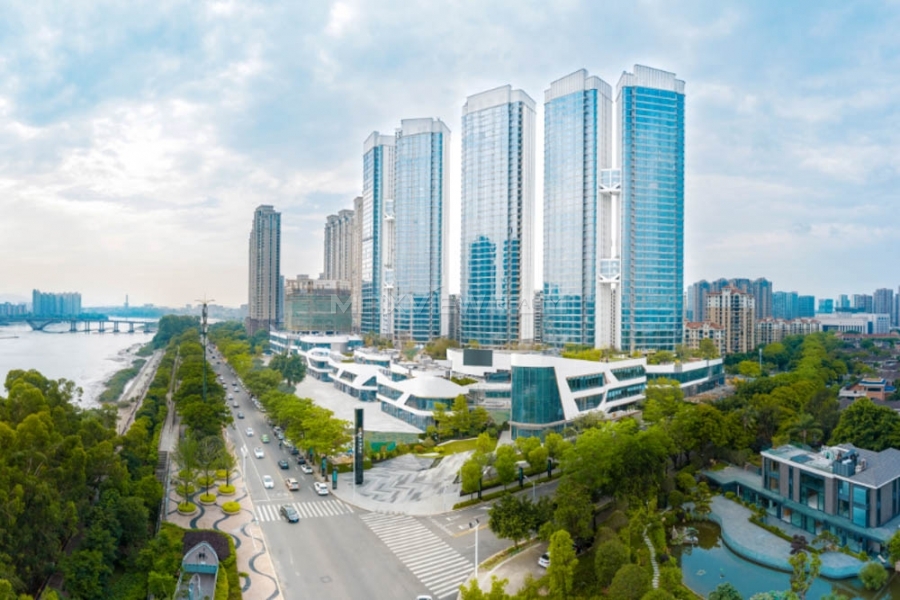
column 650, row 115
column 421, row 218
column 265, row 301
column 378, row 188
column 577, row 140
column 497, row 217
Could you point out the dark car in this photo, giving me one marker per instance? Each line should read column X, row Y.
column 294, row 450
column 301, row 460
column 284, row 464
column 290, row 513
column 240, row 415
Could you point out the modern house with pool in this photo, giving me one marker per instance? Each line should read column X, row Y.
column 852, row 492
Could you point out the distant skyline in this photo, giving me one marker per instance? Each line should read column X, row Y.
column 136, row 140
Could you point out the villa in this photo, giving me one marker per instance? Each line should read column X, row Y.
column 852, row 492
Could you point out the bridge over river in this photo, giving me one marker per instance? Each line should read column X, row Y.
column 87, row 325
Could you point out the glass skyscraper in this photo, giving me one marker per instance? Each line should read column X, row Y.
column 650, row 114
column 497, row 217
column 378, row 190
column 577, row 137
column 420, row 219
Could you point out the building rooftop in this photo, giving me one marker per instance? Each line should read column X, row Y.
column 873, row 468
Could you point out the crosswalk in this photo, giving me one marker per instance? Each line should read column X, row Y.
column 307, row 510
column 438, row 566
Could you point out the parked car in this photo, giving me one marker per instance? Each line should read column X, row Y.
column 321, row 488
column 268, row 482
column 306, row 469
column 293, row 450
column 284, row 464
column 290, row 513
column 301, row 460
column 258, row 452
column 544, row 560
column 292, row 484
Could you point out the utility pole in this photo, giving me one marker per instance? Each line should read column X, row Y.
column 203, row 339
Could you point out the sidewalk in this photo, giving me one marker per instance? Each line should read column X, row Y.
column 136, row 390
column 514, row 569
column 260, row 582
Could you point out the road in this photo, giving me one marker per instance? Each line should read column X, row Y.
column 339, row 551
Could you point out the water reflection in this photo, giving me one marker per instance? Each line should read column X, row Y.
column 711, row 562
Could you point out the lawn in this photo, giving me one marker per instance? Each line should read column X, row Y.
column 457, row 446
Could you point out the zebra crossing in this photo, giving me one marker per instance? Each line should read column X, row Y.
column 438, row 566
column 307, row 510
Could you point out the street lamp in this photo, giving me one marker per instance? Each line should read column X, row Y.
column 474, row 524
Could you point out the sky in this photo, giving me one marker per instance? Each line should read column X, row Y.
column 137, row 138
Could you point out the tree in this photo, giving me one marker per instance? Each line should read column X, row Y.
column 185, row 456
column 291, row 366
column 537, row 457
column 867, row 425
column 893, row 546
column 749, row 368
column 805, row 570
column 663, row 399
column 470, row 473
column 708, row 349
column 556, row 445
column 574, row 509
column 86, row 574
column 459, row 418
column 209, row 456
column 227, row 462
column 505, row 464
column 473, row 592
column 805, row 429
column 658, row 594
column 609, row 557
column 512, row 518
column 630, row 583
column 827, row 541
column 702, row 499
column 561, row 571
column 725, row 591
column 873, row 575
column 484, row 444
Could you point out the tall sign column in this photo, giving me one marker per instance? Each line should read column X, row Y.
column 358, row 448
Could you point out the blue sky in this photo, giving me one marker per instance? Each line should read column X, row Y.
column 136, row 138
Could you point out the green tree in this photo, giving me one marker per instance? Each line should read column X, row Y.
column 658, row 594
column 574, row 509
column 505, row 464
column 725, row 591
column 512, row 518
column 561, row 572
column 867, row 425
column 873, row 575
column 708, row 349
column 631, row 582
column 471, row 473
column 749, row 368
column 663, row 399
column 291, row 366
column 805, row 429
column 209, row 457
column 806, row 568
column 609, row 557
column 702, row 499
column 537, row 457
column 185, row 457
column 484, row 444
column 459, row 418
column 893, row 547
column 473, row 592
column 86, row 574
column 556, row 445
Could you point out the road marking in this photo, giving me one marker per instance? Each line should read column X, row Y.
column 438, row 566
column 306, row 510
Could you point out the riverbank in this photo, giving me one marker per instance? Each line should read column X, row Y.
column 133, row 396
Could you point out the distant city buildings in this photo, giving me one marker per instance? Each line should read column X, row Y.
column 733, row 311
column 317, row 305
column 266, row 289
column 695, row 332
column 826, row 306
column 47, row 304
column 497, row 221
column 769, row 331
column 339, row 246
column 9, row 309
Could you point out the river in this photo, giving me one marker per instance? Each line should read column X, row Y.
column 88, row 359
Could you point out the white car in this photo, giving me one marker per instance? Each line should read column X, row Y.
column 258, row 452
column 544, row 560
column 268, row 482
column 249, row 432
column 321, row 488
column 306, row 469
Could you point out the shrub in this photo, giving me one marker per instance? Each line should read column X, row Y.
column 207, row 497
column 204, row 481
column 630, row 583
column 221, row 474
column 231, row 507
column 226, row 489
column 873, row 575
column 617, row 520
column 186, row 506
column 181, row 491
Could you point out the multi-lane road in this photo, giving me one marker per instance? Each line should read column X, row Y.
column 338, row 550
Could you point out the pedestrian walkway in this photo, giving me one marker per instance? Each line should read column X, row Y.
column 306, row 510
column 653, row 562
column 438, row 566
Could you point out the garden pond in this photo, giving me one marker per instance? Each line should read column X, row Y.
column 711, row 562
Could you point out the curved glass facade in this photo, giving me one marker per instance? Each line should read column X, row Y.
column 421, row 154
column 535, row 396
column 650, row 108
